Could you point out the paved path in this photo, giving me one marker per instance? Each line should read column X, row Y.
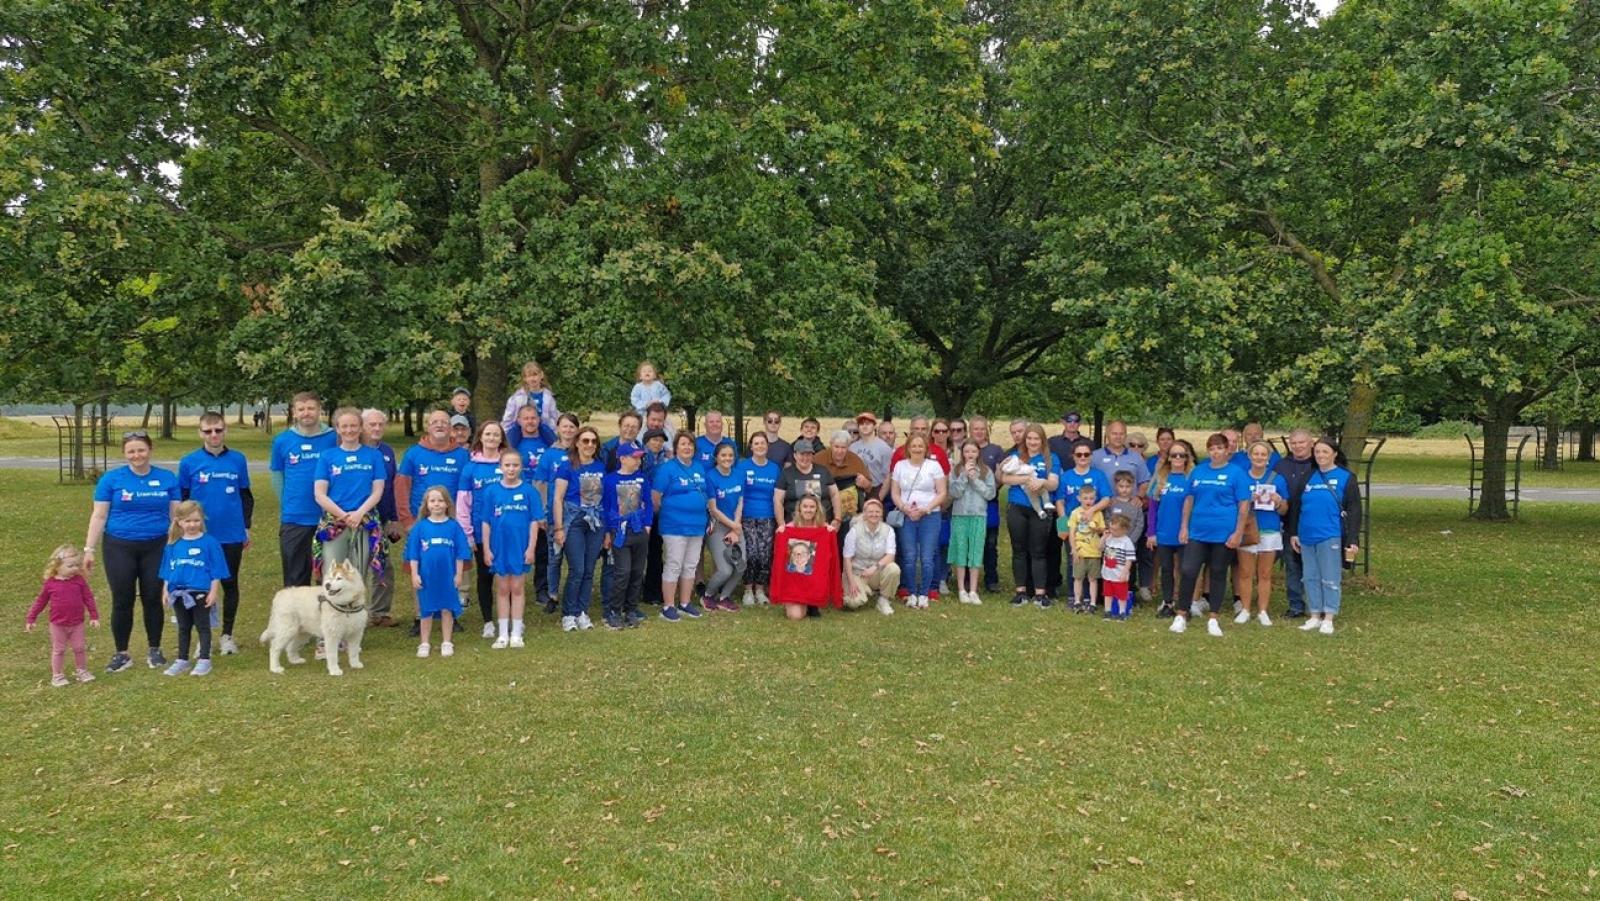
column 1437, row 492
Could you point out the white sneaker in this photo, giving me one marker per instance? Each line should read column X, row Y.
column 500, row 643
column 1327, row 627
column 977, row 599
column 922, row 602
column 1263, row 618
column 584, row 622
column 1179, row 624
column 569, row 623
column 1310, row 625
column 516, row 641
column 885, row 606
column 488, row 630
column 749, row 596
column 423, row 649
column 1242, row 618
column 228, row 647
column 761, row 596
column 447, row 649
column 1213, row 628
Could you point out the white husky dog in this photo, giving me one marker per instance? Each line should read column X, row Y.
column 334, row 611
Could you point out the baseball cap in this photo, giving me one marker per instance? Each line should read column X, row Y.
column 460, row 390
column 805, row 446
column 629, row 449
column 458, row 419
column 653, row 433
column 866, row 416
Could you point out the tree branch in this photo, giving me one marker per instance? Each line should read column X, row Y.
column 1273, row 227
column 309, row 154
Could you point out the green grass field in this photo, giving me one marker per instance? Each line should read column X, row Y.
column 1442, row 742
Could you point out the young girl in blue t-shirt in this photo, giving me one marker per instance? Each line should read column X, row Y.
column 511, row 519
column 192, row 570
column 437, row 551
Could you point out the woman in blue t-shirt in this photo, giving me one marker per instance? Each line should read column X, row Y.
column 580, row 528
column 760, row 480
column 679, row 494
column 133, row 508
column 726, row 487
column 1269, row 500
column 1030, row 533
column 1168, row 489
column 1213, row 523
column 1326, row 520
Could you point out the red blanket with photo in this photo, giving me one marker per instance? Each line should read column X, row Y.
column 805, row 568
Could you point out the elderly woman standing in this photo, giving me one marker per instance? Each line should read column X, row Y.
column 534, row 391
column 133, row 507
column 850, row 475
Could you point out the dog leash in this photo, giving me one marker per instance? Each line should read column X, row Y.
column 323, row 599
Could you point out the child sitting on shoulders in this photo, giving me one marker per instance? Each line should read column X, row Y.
column 1082, row 528
column 67, row 594
column 1117, row 554
column 649, row 389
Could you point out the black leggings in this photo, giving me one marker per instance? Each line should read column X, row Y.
column 134, row 567
column 1217, row 557
column 234, row 554
column 485, row 586
column 197, row 617
column 1030, row 536
column 1166, row 555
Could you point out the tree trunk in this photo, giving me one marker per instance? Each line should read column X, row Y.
column 75, row 464
column 105, row 422
column 489, row 386
column 949, row 400
column 1492, row 493
column 1586, row 443
column 241, row 412
column 1550, row 451
column 146, row 423
column 169, row 418
column 1358, row 412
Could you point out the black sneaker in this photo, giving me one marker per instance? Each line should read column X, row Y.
column 549, row 606
column 814, row 612
column 157, row 659
column 614, row 621
column 1020, row 599
column 119, row 662
column 1107, row 615
column 416, row 628
column 1044, row 601
column 1165, row 611
column 632, row 619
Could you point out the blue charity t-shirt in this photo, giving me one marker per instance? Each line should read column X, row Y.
column 350, row 474
column 1169, row 509
column 1267, row 519
column 216, row 480
column 1043, row 465
column 1217, row 494
column 191, row 563
column 140, row 505
column 1072, row 480
column 727, row 490
column 511, row 512
column 427, row 467
column 683, row 498
column 1322, row 505
column 583, row 482
column 476, row 476
column 436, row 547
column 625, row 503
column 759, row 484
column 705, row 452
column 295, row 455
column 550, row 462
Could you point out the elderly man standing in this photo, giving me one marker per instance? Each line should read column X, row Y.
column 1117, row 457
column 373, row 424
column 1296, row 470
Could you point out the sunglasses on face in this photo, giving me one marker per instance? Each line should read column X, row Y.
column 1138, row 446
column 586, row 441
column 1177, row 456
column 940, row 431
column 1081, row 456
column 216, row 431
column 774, row 421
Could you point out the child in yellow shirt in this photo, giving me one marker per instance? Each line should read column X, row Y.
column 1082, row 529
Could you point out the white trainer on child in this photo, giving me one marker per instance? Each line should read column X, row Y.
column 1213, row 628
column 1242, row 618
column 1179, row 624
column 1263, row 618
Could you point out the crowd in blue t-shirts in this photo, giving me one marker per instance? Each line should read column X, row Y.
column 547, row 515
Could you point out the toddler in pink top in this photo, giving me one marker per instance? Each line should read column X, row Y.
column 67, row 595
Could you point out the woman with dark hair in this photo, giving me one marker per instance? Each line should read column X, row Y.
column 726, row 541
column 481, row 471
column 682, row 501
column 760, row 480
column 579, row 527
column 1326, row 519
column 1214, row 515
column 1167, row 490
column 544, row 476
column 1030, row 534
column 133, row 507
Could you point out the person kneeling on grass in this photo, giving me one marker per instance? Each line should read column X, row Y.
column 1327, row 518
column 510, row 538
column 869, row 554
column 805, row 563
column 437, row 550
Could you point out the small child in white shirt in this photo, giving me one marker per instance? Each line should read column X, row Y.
column 1116, row 565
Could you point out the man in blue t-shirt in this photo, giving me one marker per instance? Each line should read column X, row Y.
column 295, row 452
column 705, row 446
column 219, row 478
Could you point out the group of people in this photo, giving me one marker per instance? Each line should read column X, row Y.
column 687, row 523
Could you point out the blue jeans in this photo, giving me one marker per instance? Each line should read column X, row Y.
column 1293, row 582
column 920, row 539
column 582, row 548
column 552, row 569
column 1324, row 568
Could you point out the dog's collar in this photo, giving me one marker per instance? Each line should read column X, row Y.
column 324, row 599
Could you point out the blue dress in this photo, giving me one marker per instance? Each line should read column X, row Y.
column 511, row 513
column 435, row 547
